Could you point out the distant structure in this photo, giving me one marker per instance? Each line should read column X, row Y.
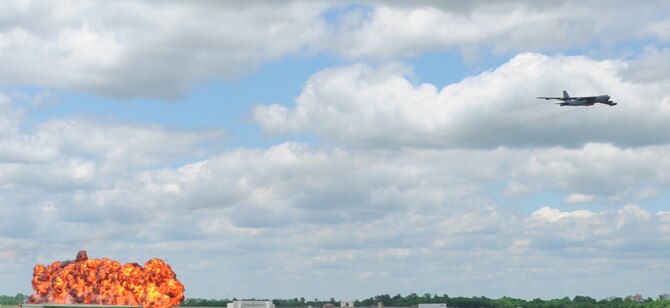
column 251, row 304
column 346, row 304
column 637, row 298
column 432, row 306
column 328, row 305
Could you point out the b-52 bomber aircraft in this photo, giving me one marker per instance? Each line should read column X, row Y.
column 581, row 100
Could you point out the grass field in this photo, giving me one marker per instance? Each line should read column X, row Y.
column 8, row 306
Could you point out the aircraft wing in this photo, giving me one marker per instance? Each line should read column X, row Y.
column 548, row 98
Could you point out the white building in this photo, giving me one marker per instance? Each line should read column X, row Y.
column 251, row 304
column 432, row 306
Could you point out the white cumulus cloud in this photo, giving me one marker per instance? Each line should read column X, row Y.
column 378, row 106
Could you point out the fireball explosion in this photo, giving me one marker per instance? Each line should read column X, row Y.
column 106, row 282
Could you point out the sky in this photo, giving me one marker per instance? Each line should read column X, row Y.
column 318, row 149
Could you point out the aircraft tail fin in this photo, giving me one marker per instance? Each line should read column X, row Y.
column 565, row 94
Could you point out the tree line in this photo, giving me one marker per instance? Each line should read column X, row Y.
column 413, row 299
column 12, row 300
column 462, row 302
column 508, row 302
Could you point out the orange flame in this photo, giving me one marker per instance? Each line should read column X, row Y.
column 106, row 282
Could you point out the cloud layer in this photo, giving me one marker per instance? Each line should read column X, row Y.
column 304, row 212
column 125, row 49
column 476, row 188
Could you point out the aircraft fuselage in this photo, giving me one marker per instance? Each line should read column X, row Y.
column 588, row 101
